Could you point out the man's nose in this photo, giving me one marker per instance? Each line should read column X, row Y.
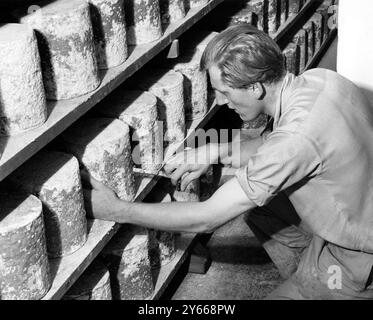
column 220, row 99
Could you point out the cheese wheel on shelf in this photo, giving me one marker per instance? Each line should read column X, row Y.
column 168, row 87
column 162, row 245
column 54, row 177
column 190, row 4
column 24, row 266
column 143, row 19
column 195, row 85
column 273, row 17
column 318, row 24
column 103, row 148
column 309, row 28
column 291, row 54
column 126, row 257
column 109, row 30
column 300, row 39
column 294, row 7
column 94, row 284
column 22, row 96
column 65, row 37
column 138, row 109
column 171, row 11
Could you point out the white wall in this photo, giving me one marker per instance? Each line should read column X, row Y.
column 355, row 45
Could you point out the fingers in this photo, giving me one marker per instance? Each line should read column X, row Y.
column 188, row 179
column 178, row 173
column 88, row 180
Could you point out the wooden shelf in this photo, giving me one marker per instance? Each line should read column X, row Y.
column 291, row 22
column 16, row 150
column 318, row 55
column 67, row 270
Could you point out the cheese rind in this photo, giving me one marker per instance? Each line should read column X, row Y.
column 22, row 96
column 54, row 177
column 109, row 30
column 127, row 259
column 102, row 146
column 162, row 245
column 143, row 21
column 171, row 11
column 24, row 266
column 195, row 85
column 168, row 87
column 138, row 109
column 65, row 36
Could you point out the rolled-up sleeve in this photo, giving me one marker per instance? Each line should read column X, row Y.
column 282, row 161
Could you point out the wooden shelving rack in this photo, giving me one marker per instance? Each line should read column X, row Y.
column 17, row 150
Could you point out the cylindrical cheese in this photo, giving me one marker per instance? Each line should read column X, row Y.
column 22, row 96
column 65, row 36
column 162, row 245
column 291, row 54
column 324, row 11
column 94, row 284
column 191, row 193
column 308, row 27
column 273, row 18
column 318, row 22
column 195, row 85
column 168, row 88
column 103, row 147
column 189, row 4
column 246, row 16
column 127, row 259
column 54, row 177
column 259, row 7
column 24, row 267
column 171, row 11
column 109, row 30
column 301, row 40
column 294, row 7
column 284, row 11
column 143, row 21
column 138, row 109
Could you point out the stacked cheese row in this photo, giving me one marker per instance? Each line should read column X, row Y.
column 308, row 41
column 56, row 51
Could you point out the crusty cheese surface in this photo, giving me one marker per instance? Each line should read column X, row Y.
column 24, row 266
column 22, row 95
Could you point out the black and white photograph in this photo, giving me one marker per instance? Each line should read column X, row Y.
column 186, row 156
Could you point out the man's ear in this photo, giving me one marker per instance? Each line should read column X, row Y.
column 259, row 90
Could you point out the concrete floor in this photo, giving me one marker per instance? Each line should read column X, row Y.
column 241, row 269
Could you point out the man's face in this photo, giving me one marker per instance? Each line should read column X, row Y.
column 245, row 102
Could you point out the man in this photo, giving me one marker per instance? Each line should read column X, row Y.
column 319, row 156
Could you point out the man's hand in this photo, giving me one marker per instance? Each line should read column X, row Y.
column 189, row 165
column 100, row 201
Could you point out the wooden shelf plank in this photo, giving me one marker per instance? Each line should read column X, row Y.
column 16, row 150
column 68, row 269
column 318, row 55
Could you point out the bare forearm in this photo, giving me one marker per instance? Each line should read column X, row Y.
column 228, row 202
column 174, row 217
